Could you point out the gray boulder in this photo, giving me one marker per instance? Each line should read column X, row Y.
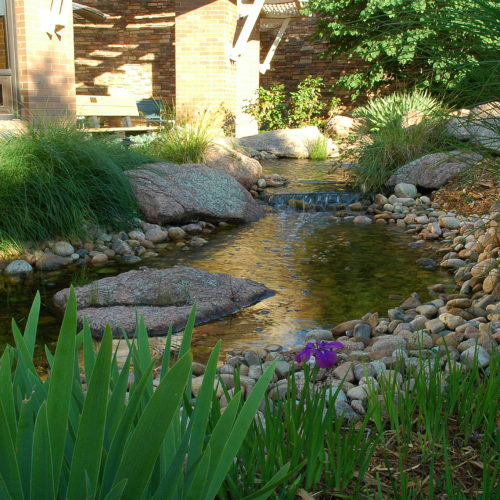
column 286, row 143
column 480, row 125
column 163, row 297
column 170, row 193
column 223, row 157
column 434, row 170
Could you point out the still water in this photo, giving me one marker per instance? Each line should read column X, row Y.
column 322, row 271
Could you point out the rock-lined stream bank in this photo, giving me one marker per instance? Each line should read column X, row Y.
column 324, row 270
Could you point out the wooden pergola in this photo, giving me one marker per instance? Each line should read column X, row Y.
column 271, row 13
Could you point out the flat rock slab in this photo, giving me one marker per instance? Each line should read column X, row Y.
column 163, row 297
column 170, row 193
column 286, row 143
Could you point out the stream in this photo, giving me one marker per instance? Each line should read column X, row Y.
column 323, row 271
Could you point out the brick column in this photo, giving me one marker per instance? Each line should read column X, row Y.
column 45, row 63
column 205, row 77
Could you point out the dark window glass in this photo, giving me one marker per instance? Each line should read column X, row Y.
column 1, row 95
column 4, row 59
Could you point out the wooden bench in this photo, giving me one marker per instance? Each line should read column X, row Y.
column 124, row 107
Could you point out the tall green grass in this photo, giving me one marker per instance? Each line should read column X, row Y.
column 186, row 139
column 386, row 142
column 102, row 440
column 54, row 180
column 433, row 435
column 318, row 149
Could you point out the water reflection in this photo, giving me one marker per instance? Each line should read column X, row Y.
column 323, row 272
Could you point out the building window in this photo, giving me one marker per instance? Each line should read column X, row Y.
column 7, row 59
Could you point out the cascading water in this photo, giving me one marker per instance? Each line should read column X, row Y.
column 318, row 200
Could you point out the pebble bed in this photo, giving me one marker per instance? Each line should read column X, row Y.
column 131, row 247
column 467, row 321
column 453, row 328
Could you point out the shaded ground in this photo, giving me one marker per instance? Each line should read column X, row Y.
column 473, row 191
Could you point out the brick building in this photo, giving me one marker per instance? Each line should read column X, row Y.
column 37, row 72
column 191, row 53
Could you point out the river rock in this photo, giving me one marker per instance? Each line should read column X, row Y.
column 163, row 297
column 341, row 328
column 451, row 321
column 319, row 334
column 362, row 219
column 449, row 222
column 223, row 157
column 63, row 249
column 52, row 262
column 467, row 357
column 171, row 193
column 433, row 170
column 18, row 268
column 405, row 190
column 176, row 233
column 156, row 235
column 286, row 143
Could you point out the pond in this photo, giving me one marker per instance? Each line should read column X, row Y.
column 323, row 271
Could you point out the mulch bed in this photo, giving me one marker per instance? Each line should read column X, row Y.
column 473, row 191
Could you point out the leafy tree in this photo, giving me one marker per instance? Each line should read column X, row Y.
column 447, row 46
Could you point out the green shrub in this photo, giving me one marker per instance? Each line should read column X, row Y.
column 390, row 110
column 318, row 150
column 305, row 104
column 442, row 45
column 59, row 441
column 54, row 180
column 273, row 109
column 270, row 108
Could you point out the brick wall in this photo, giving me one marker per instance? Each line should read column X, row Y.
column 204, row 32
column 46, row 75
column 297, row 57
column 131, row 53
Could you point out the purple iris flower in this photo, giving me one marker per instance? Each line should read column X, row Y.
column 322, row 351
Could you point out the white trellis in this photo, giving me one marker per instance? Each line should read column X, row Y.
column 269, row 10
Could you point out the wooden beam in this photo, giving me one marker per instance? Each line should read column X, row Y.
column 267, row 62
column 297, row 4
column 247, row 29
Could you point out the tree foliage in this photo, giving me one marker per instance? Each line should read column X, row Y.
column 447, row 46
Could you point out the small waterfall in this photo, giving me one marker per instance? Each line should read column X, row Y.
column 322, row 200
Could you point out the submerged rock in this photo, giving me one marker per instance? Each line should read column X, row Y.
column 18, row 268
column 171, row 193
column 163, row 297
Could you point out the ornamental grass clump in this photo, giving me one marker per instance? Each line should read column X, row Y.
column 318, row 149
column 184, row 140
column 64, row 439
column 55, row 180
column 397, row 129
